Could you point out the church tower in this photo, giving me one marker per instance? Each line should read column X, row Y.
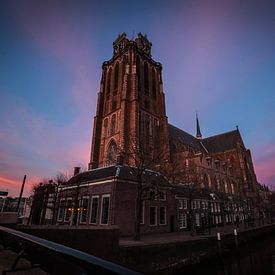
column 131, row 116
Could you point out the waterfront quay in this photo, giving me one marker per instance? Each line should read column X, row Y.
column 164, row 253
column 169, row 253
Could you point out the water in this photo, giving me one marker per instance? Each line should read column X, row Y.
column 255, row 258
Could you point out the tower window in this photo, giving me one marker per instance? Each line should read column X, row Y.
column 105, row 128
column 114, row 105
column 113, row 125
column 116, row 78
column 111, row 156
column 108, row 87
column 138, row 73
column 146, row 79
column 154, row 90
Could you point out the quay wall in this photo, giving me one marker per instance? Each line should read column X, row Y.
column 166, row 258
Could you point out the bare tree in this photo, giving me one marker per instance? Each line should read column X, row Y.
column 145, row 171
column 183, row 173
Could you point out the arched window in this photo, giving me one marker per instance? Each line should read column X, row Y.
column 111, row 156
column 116, row 78
column 108, row 86
column 138, row 73
column 113, row 125
column 154, row 86
column 105, row 128
column 146, row 78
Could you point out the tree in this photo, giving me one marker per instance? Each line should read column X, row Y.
column 144, row 169
column 183, row 173
column 44, row 197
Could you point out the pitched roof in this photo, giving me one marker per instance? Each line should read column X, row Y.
column 115, row 171
column 93, row 175
column 222, row 142
column 177, row 135
column 213, row 144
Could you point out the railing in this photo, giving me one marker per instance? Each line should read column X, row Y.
column 56, row 258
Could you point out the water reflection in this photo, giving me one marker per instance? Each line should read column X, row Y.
column 252, row 259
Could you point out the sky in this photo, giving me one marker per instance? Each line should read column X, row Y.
column 218, row 58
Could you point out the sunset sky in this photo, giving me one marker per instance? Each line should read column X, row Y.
column 218, row 58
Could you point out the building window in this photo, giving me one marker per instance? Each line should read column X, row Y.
column 105, row 209
column 162, row 195
column 153, row 215
column 114, row 105
column 108, row 86
column 146, row 78
column 138, row 74
column 94, row 210
column 68, row 210
column 84, row 210
column 113, row 125
column 111, row 156
column 197, row 219
column 116, row 78
column 180, row 206
column 162, row 215
column 105, row 128
column 61, row 212
column 154, row 89
column 182, row 220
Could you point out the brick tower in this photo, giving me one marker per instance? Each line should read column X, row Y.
column 130, row 115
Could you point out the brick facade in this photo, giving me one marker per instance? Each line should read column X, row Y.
column 214, row 177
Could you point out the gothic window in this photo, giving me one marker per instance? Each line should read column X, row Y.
column 114, row 105
column 146, row 79
column 147, row 130
column 111, row 156
column 106, row 109
column 113, row 125
column 116, row 78
column 108, row 86
column 105, row 128
column 138, row 73
column 154, row 87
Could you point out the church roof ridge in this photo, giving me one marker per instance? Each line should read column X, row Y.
column 222, row 134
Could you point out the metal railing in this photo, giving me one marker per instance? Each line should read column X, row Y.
column 56, row 258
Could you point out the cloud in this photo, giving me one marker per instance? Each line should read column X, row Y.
column 265, row 164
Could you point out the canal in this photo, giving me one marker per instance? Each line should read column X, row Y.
column 254, row 258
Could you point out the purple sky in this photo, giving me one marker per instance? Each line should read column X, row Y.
column 218, row 58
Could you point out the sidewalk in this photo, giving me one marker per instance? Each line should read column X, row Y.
column 172, row 237
column 23, row 267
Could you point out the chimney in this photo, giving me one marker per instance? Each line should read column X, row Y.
column 76, row 170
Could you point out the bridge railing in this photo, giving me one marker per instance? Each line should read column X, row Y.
column 56, row 258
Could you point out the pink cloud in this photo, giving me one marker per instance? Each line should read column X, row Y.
column 265, row 164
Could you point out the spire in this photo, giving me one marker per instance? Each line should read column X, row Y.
column 198, row 135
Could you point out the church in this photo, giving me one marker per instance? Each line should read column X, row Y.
column 145, row 171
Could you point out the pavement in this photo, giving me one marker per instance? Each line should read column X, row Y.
column 7, row 258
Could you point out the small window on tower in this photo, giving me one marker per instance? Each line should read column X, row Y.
column 116, row 78
column 108, row 86
column 146, row 79
column 114, row 105
column 113, row 125
column 154, row 87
